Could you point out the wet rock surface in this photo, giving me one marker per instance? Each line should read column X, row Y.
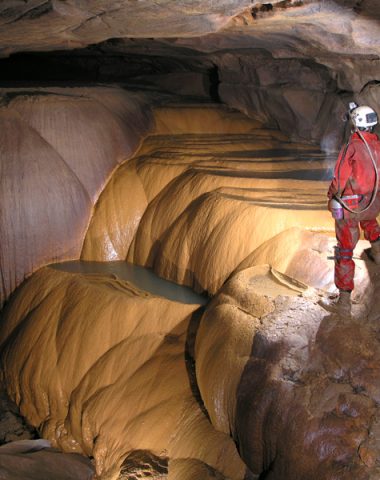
column 299, row 388
column 35, row 459
column 23, row 456
column 106, row 372
column 145, row 385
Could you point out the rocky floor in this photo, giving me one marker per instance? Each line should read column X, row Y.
column 12, row 426
column 24, row 456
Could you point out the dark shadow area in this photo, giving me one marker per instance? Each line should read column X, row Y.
column 280, row 203
column 214, row 84
column 256, row 411
column 312, row 174
column 143, row 464
column 374, row 275
column 190, row 357
column 101, row 64
column 12, row 425
column 363, row 8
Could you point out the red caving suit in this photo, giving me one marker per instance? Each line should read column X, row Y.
column 356, row 176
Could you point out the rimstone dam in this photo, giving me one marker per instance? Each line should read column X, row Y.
column 166, row 246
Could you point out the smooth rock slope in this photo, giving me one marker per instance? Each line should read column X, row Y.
column 58, row 147
column 106, row 371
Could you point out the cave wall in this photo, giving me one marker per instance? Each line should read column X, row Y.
column 287, row 64
column 306, row 97
column 58, row 148
column 297, row 96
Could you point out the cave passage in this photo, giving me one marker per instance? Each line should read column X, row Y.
column 165, row 247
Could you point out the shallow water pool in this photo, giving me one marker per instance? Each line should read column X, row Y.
column 142, row 277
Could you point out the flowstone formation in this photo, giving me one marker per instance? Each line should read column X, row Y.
column 235, row 184
column 105, row 374
column 263, row 381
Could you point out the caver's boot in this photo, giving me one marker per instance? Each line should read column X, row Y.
column 374, row 253
column 340, row 304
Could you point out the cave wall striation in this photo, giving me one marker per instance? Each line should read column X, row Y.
column 58, row 148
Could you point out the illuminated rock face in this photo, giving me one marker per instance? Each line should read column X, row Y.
column 58, row 148
column 105, row 372
column 196, row 243
column 226, row 203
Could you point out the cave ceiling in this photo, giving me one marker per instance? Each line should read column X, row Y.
column 343, row 35
column 303, row 50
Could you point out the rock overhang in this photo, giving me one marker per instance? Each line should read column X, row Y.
column 245, row 54
column 286, row 28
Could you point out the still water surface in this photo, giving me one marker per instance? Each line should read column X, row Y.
column 142, row 277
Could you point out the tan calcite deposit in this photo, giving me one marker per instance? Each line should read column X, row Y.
column 309, row 257
column 133, row 185
column 230, row 196
column 210, row 229
column 99, row 367
column 116, row 216
column 201, row 119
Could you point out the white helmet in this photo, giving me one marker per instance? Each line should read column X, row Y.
column 363, row 117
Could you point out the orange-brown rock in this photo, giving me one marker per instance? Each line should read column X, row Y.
column 298, row 388
column 308, row 259
column 233, row 192
column 219, row 218
column 99, row 367
column 116, row 216
column 134, row 185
